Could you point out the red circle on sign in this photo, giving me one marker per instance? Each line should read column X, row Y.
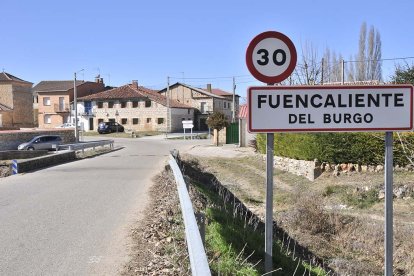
column 250, row 63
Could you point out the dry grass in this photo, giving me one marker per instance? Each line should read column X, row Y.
column 351, row 237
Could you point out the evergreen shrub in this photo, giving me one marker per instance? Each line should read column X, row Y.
column 341, row 147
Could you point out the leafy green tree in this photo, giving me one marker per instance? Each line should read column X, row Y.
column 404, row 74
column 217, row 121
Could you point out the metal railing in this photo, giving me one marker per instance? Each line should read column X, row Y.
column 61, row 107
column 86, row 145
column 195, row 247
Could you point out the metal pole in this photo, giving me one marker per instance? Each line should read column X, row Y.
column 75, row 103
column 343, row 71
column 388, row 244
column 269, row 203
column 168, row 104
column 233, row 118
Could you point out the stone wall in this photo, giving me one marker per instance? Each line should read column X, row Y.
column 221, row 136
column 309, row 169
column 12, row 138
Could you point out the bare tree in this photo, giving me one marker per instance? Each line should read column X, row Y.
column 361, row 67
column 368, row 61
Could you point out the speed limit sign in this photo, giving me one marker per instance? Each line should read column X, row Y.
column 271, row 57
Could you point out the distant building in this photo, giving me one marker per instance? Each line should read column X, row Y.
column 54, row 98
column 135, row 107
column 205, row 101
column 16, row 108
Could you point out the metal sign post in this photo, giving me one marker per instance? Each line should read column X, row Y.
column 388, row 177
column 271, row 58
column 269, row 203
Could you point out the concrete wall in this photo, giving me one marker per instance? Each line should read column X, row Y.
column 45, row 161
column 244, row 135
column 11, row 139
column 21, row 154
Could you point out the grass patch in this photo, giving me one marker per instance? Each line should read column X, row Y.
column 362, row 199
column 237, row 248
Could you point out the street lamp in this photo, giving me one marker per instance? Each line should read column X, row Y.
column 75, row 103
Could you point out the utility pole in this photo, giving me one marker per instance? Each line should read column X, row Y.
column 168, row 104
column 75, row 103
column 343, row 71
column 233, row 119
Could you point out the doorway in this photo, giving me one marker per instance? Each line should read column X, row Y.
column 90, row 123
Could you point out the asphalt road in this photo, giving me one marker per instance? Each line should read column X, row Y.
column 74, row 219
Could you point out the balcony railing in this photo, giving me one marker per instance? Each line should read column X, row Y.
column 61, row 108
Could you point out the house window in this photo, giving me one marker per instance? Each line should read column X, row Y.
column 100, row 121
column 203, row 107
column 188, row 111
column 46, row 101
column 48, row 119
column 100, row 104
column 147, row 103
column 110, row 104
column 160, row 121
column 124, row 121
column 135, row 104
column 111, row 120
column 135, row 121
column 225, row 105
column 148, row 120
column 123, row 104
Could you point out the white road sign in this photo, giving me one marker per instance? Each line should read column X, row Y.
column 271, row 57
column 188, row 124
column 330, row 108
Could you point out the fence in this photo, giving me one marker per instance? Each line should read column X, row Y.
column 198, row 258
column 85, row 145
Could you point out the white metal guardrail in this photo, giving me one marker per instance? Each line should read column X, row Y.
column 196, row 252
column 86, row 145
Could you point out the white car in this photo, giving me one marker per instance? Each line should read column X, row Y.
column 66, row 125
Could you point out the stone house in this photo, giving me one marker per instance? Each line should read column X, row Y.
column 205, row 101
column 54, row 97
column 16, row 108
column 135, row 107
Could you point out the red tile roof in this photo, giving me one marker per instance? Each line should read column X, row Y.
column 130, row 92
column 243, row 111
column 220, row 92
column 52, row 86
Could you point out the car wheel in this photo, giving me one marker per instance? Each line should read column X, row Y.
column 30, row 148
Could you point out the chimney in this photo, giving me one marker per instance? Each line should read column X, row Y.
column 209, row 87
column 135, row 84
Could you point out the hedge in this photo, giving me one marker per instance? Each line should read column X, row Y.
column 361, row 148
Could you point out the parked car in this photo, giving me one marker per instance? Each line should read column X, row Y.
column 66, row 125
column 42, row 142
column 108, row 127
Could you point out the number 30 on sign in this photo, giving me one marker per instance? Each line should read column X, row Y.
column 271, row 57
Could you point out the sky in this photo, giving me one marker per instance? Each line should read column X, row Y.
column 196, row 42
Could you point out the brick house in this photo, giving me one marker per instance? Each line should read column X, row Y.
column 54, row 97
column 16, row 108
column 205, row 101
column 135, row 107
